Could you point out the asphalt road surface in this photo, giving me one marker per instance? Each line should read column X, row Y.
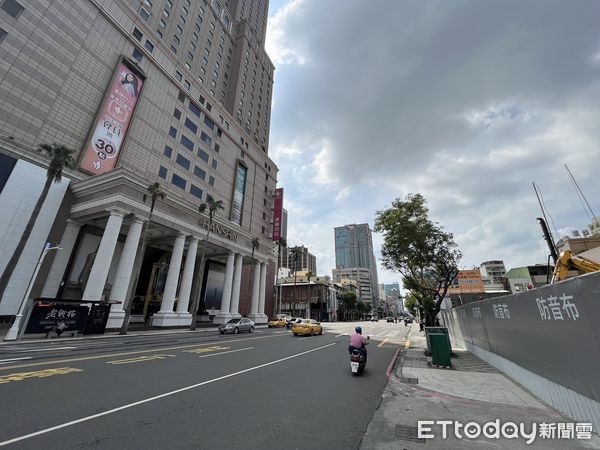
column 193, row 390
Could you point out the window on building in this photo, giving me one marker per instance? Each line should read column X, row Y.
column 179, row 31
column 200, row 173
column 209, row 123
column 201, row 99
column 173, row 132
column 168, row 151
column 193, row 108
column 211, row 180
column 163, row 24
column 191, row 125
column 187, row 143
column 169, row 4
column 196, row 191
column 206, row 139
column 209, row 107
column 177, row 114
column 178, row 76
column 203, row 155
column 173, row 49
column 162, row 172
column 194, row 38
column 149, row 46
column 214, row 163
column 181, row 97
column 137, row 34
column 187, row 84
column 145, row 15
column 137, row 55
column 148, row 3
column 178, row 181
column 159, row 33
column 219, row 132
column 166, row 13
column 183, row 162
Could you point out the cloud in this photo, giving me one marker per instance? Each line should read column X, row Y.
column 468, row 102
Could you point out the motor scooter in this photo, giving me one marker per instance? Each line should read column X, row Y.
column 357, row 361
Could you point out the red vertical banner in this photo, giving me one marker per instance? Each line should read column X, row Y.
column 277, row 214
column 102, row 150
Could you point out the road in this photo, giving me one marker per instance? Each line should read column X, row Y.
column 193, row 390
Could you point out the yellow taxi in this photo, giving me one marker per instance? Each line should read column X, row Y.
column 276, row 323
column 307, row 327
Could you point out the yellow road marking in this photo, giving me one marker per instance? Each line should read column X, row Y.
column 137, row 352
column 140, row 359
column 206, row 349
column 383, row 343
column 38, row 374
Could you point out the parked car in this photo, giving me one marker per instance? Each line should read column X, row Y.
column 374, row 319
column 237, row 325
column 293, row 321
column 390, row 319
column 276, row 323
column 307, row 327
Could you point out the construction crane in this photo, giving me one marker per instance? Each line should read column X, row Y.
column 567, row 262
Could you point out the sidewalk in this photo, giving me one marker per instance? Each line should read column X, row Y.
column 472, row 391
column 134, row 331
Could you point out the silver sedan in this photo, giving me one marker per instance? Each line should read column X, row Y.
column 236, row 325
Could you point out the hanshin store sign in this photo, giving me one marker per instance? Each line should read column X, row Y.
column 103, row 146
column 277, row 214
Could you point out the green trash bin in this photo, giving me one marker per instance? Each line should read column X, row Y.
column 440, row 350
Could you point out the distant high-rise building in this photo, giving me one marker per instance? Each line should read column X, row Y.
column 299, row 258
column 494, row 271
column 354, row 250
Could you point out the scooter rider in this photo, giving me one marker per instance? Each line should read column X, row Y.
column 358, row 342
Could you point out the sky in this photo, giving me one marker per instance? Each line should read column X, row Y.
column 465, row 102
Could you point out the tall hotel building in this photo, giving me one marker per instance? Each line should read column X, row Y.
column 354, row 259
column 176, row 92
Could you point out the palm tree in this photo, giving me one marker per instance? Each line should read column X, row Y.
column 309, row 275
column 155, row 192
column 282, row 243
column 61, row 157
column 213, row 206
column 255, row 245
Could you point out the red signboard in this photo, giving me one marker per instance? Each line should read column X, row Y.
column 277, row 214
column 102, row 150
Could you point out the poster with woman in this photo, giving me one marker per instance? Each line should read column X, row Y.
column 102, row 150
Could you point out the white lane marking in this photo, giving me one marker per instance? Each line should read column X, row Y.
column 343, row 334
column 45, row 349
column 222, row 353
column 6, row 361
column 151, row 399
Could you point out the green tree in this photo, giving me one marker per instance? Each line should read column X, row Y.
column 61, row 157
column 347, row 304
column 213, row 206
column 425, row 255
column 154, row 191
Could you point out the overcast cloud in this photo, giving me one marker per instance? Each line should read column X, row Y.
column 467, row 102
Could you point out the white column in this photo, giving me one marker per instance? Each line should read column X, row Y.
column 165, row 317
column 124, row 272
column 186, row 279
column 224, row 315
column 237, row 280
column 101, row 266
column 254, row 314
column 61, row 259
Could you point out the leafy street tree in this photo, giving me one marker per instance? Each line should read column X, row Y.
column 61, row 157
column 155, row 192
column 213, row 207
column 425, row 255
column 347, row 304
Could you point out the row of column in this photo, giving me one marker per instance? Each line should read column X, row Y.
column 166, row 316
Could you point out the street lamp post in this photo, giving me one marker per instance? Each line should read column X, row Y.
column 14, row 332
